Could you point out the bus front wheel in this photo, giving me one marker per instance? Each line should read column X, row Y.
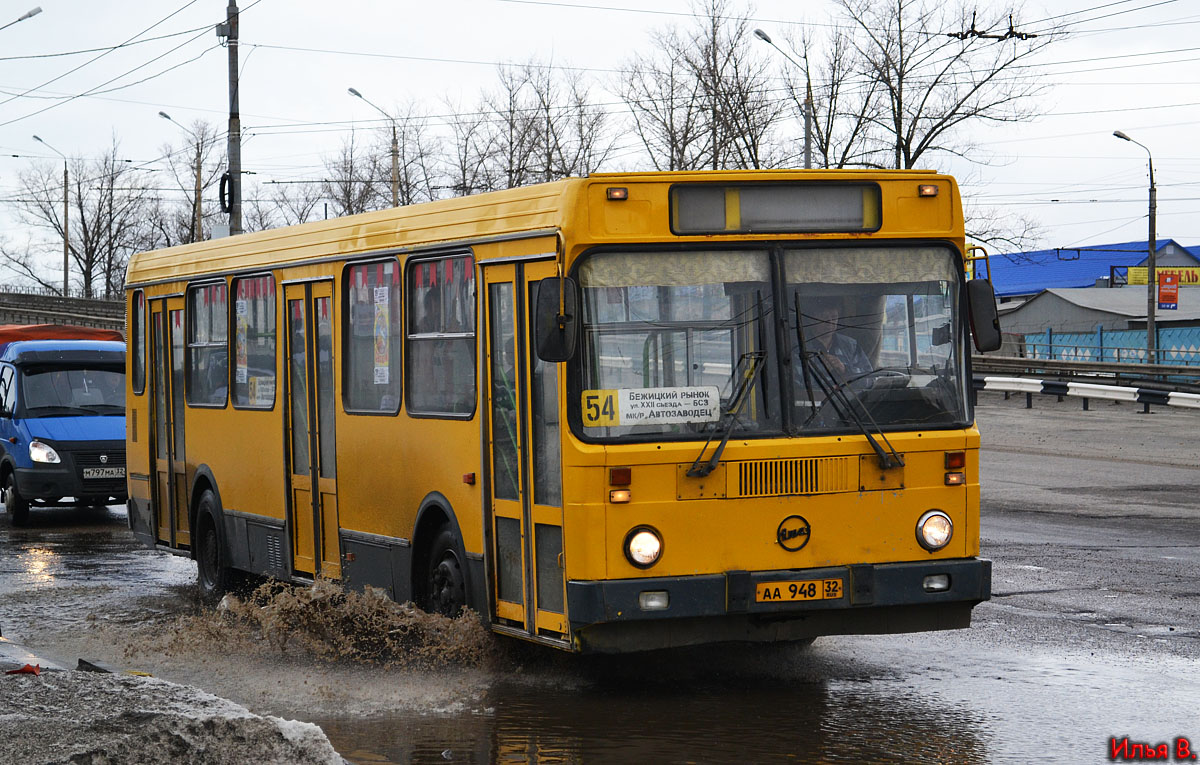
column 213, row 574
column 15, row 505
column 447, row 586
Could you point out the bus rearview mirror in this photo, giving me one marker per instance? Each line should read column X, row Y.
column 985, row 320
column 556, row 332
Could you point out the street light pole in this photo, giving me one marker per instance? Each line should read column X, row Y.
column 28, row 14
column 808, row 104
column 66, row 215
column 1152, row 246
column 395, row 149
column 197, row 220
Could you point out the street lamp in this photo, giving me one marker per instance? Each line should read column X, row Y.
column 66, row 213
column 28, row 14
column 197, row 227
column 808, row 105
column 395, row 149
column 1151, row 277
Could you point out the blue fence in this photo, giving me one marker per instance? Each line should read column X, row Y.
column 1175, row 345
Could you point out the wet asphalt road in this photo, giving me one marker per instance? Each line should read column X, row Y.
column 1092, row 522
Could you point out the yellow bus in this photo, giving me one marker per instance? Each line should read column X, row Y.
column 612, row 413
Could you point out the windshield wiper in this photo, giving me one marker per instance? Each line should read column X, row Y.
column 103, row 408
column 835, row 392
column 754, row 365
column 55, row 411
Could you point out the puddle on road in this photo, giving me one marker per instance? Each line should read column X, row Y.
column 389, row 684
column 761, row 706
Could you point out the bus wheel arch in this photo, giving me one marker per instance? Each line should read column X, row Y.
column 440, row 575
column 203, row 481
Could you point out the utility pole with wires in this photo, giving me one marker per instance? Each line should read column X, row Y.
column 232, row 183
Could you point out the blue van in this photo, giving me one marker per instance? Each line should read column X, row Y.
column 62, row 418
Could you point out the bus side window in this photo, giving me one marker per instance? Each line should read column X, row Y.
column 441, row 336
column 372, row 363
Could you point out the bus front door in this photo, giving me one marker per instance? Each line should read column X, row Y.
column 170, row 505
column 525, row 516
column 312, row 512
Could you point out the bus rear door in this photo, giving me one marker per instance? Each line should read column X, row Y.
column 525, row 513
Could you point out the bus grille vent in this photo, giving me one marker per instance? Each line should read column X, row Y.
column 274, row 551
column 775, row 478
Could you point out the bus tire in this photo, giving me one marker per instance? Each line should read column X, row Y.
column 447, row 588
column 15, row 505
column 213, row 575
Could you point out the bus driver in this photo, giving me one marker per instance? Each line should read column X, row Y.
column 822, row 336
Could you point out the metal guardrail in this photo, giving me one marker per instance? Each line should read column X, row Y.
column 1086, row 391
column 1160, row 376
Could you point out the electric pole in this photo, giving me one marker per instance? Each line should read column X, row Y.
column 229, row 30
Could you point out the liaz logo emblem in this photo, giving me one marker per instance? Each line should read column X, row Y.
column 793, row 533
column 103, row 459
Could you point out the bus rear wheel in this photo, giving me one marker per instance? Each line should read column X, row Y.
column 446, row 584
column 213, row 574
column 15, row 505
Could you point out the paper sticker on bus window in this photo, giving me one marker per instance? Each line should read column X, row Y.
column 651, row 406
column 382, row 339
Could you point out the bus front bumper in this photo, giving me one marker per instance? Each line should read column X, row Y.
column 628, row 614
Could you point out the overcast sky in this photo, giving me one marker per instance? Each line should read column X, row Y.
column 1132, row 65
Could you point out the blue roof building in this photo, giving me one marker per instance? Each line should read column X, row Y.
column 1022, row 274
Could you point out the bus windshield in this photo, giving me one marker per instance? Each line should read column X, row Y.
column 880, row 336
column 73, row 391
column 667, row 336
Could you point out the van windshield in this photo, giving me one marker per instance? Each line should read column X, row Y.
column 74, row 391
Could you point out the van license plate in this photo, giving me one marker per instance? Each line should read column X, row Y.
column 812, row 589
column 113, row 472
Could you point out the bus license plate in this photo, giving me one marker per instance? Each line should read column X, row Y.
column 113, row 472
column 812, row 589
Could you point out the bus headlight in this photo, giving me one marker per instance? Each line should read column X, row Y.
column 643, row 546
column 934, row 530
column 39, row 452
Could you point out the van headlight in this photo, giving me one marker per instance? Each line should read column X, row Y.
column 39, row 452
column 934, row 530
column 643, row 546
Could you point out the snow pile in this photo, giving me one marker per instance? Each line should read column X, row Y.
column 102, row 719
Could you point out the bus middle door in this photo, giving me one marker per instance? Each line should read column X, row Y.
column 312, row 512
column 525, row 462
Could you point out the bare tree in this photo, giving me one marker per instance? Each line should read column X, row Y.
column 571, row 130
column 352, row 180
column 703, row 98
column 470, row 144
column 938, row 72
column 295, row 203
column 665, row 104
column 1001, row 230
column 512, row 131
column 110, row 202
column 843, row 106
column 204, row 155
column 418, row 154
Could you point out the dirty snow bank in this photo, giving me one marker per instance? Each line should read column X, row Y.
column 102, row 719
